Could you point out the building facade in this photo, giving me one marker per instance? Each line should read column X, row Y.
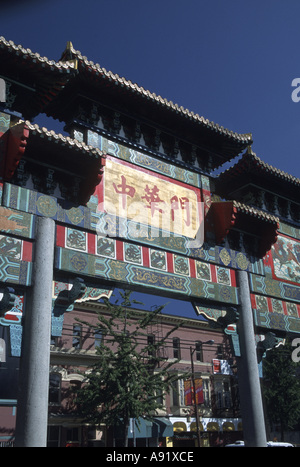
column 127, row 197
column 219, row 415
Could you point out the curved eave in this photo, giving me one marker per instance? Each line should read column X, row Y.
column 96, row 74
column 33, row 80
column 35, row 59
column 227, row 215
column 61, row 153
column 152, row 106
column 63, row 141
column 252, row 168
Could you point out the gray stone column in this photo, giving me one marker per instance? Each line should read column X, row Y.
column 32, row 409
column 248, row 375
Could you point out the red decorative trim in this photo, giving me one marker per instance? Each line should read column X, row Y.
column 233, row 277
column 192, row 267
column 146, row 256
column 27, row 251
column 93, row 180
column 119, row 250
column 17, row 141
column 91, row 243
column 213, row 272
column 224, row 217
column 269, row 238
column 170, row 264
column 60, row 235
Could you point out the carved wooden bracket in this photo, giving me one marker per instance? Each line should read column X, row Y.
column 16, row 138
column 94, row 178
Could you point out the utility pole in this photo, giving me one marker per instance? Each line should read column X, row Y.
column 248, row 375
column 195, row 401
column 32, row 409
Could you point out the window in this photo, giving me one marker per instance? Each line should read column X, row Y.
column 205, row 383
column 176, row 347
column 54, row 341
column 54, row 388
column 53, row 436
column 223, row 396
column 199, row 351
column 220, row 352
column 150, row 343
column 77, row 336
column 227, row 395
column 73, row 435
column 174, row 394
column 98, row 338
column 177, row 393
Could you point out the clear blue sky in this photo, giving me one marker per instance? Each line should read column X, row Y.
column 230, row 61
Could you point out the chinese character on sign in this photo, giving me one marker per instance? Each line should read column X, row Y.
column 153, row 199
column 181, row 203
column 124, row 190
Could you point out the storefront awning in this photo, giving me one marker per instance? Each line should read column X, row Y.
column 141, row 428
column 165, row 427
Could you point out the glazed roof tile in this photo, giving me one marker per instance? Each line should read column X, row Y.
column 249, row 210
column 95, row 68
column 73, row 61
column 10, row 46
column 251, row 160
column 62, row 139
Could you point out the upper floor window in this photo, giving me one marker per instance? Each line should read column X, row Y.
column 176, row 348
column 220, row 351
column 150, row 343
column 206, row 396
column 223, row 395
column 77, row 336
column 199, row 351
column 98, row 337
column 54, row 388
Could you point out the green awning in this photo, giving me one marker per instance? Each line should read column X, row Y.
column 158, row 428
column 165, row 427
column 140, row 428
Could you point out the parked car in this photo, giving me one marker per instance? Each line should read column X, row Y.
column 237, row 444
column 270, row 444
column 276, row 444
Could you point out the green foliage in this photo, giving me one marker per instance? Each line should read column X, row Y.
column 130, row 373
column 281, row 387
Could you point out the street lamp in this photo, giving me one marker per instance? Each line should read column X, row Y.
column 195, row 402
column 210, row 342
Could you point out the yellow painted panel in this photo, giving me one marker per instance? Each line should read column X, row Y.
column 151, row 200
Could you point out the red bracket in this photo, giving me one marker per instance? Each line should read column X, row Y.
column 16, row 137
column 93, row 180
column 224, row 217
